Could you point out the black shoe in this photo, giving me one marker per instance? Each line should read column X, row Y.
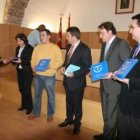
column 98, row 137
column 28, row 111
column 76, row 130
column 65, row 123
column 20, row 109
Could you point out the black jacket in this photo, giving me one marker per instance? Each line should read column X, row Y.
column 130, row 95
column 82, row 58
column 25, row 57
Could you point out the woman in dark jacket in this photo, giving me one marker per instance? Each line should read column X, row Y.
column 24, row 72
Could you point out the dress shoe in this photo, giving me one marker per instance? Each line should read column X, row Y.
column 28, row 111
column 49, row 118
column 98, row 137
column 65, row 123
column 76, row 130
column 32, row 117
column 20, row 109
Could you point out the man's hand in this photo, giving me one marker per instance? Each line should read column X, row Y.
column 70, row 75
column 108, row 75
column 62, row 70
column 33, row 68
column 18, row 61
column 125, row 80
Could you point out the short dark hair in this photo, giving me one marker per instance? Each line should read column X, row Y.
column 41, row 27
column 22, row 37
column 108, row 26
column 74, row 32
column 137, row 17
column 48, row 32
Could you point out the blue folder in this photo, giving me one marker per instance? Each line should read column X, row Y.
column 99, row 70
column 126, row 68
column 42, row 65
column 71, row 68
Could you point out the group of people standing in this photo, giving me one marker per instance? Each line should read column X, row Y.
column 120, row 98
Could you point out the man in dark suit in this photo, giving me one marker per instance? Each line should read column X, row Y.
column 78, row 54
column 114, row 51
column 129, row 113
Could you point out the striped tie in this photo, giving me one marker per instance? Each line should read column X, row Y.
column 136, row 51
column 69, row 54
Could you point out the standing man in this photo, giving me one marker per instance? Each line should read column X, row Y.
column 78, row 54
column 45, row 79
column 114, row 51
column 129, row 113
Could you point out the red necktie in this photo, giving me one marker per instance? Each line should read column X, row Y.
column 69, row 54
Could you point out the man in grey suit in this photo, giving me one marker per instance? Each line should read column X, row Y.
column 115, row 51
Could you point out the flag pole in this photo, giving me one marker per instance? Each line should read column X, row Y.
column 68, row 27
column 59, row 43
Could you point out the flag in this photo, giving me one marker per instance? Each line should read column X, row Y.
column 68, row 27
column 59, row 43
column 69, row 21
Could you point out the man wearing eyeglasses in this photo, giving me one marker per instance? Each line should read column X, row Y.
column 129, row 113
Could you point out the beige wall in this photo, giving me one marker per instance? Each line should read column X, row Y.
column 86, row 14
column 2, row 6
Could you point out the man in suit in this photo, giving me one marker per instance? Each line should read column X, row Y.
column 78, row 54
column 114, row 51
column 129, row 113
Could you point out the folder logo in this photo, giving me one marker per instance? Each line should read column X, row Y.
column 42, row 63
column 97, row 69
column 126, row 68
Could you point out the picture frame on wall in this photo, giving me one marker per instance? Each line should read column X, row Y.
column 124, row 6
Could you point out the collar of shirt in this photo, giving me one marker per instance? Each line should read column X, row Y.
column 111, row 40
column 20, row 51
column 75, row 46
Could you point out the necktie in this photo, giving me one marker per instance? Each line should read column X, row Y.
column 106, row 49
column 136, row 51
column 69, row 54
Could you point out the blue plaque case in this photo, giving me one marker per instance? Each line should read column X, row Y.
column 126, row 68
column 99, row 70
column 42, row 65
